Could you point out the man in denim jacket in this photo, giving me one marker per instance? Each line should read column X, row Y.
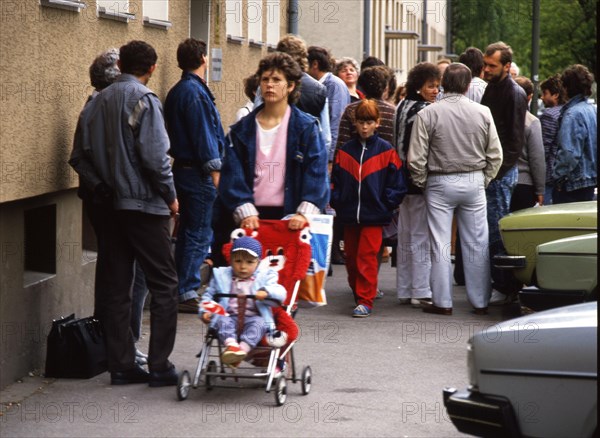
column 197, row 141
column 575, row 173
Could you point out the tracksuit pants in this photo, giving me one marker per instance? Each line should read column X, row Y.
column 362, row 244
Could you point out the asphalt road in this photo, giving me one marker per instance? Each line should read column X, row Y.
column 378, row 376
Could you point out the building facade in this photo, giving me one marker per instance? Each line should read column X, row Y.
column 399, row 32
column 47, row 247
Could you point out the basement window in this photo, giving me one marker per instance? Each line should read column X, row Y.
column 40, row 244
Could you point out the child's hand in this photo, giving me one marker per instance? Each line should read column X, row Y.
column 261, row 294
column 206, row 316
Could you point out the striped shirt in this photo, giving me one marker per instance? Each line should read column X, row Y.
column 549, row 120
column 386, row 123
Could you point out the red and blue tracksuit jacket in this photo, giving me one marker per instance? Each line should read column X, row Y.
column 366, row 181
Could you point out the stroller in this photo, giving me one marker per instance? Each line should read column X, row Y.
column 272, row 360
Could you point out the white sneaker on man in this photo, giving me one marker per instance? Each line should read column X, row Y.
column 498, row 298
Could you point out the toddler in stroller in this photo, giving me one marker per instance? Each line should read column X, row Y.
column 251, row 319
column 243, row 308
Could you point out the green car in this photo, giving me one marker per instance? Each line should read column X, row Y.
column 566, row 273
column 524, row 234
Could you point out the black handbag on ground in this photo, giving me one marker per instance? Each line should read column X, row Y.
column 75, row 348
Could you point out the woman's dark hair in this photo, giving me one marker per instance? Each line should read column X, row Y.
column 251, row 83
column 456, row 79
column 189, row 54
column 577, row 79
column 392, row 83
column 136, row 58
column 371, row 61
column 373, row 80
column 286, row 65
column 418, row 76
column 554, row 86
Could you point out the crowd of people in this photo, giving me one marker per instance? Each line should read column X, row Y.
column 454, row 144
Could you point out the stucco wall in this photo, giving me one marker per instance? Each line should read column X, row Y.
column 45, row 55
column 27, row 310
column 336, row 25
column 44, row 82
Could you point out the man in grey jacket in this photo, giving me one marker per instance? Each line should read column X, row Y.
column 454, row 153
column 129, row 143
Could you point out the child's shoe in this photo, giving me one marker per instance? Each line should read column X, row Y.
column 361, row 311
column 233, row 354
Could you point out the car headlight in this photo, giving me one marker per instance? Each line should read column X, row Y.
column 471, row 369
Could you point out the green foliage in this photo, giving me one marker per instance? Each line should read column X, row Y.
column 567, row 31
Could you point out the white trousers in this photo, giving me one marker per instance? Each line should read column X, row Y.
column 413, row 262
column 463, row 193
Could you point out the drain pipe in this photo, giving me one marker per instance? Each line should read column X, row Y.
column 367, row 29
column 293, row 17
column 424, row 41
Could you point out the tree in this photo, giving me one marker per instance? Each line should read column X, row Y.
column 567, row 30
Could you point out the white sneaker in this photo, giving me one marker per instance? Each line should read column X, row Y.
column 416, row 302
column 379, row 294
column 498, row 298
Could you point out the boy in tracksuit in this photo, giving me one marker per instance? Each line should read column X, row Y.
column 367, row 186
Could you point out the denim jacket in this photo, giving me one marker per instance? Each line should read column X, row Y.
column 576, row 158
column 264, row 279
column 127, row 139
column 305, row 168
column 193, row 123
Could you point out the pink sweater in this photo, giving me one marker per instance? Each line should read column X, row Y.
column 269, row 180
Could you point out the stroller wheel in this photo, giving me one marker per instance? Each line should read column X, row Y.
column 183, row 385
column 280, row 391
column 306, row 380
column 211, row 368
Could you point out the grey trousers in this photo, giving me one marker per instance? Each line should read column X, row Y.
column 463, row 193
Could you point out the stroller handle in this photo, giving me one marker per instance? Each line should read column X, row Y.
column 217, row 296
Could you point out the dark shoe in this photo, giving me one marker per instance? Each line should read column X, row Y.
column 167, row 377
column 480, row 311
column 189, row 306
column 135, row 375
column 337, row 257
column 432, row 308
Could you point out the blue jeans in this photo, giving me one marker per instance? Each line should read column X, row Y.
column 548, row 200
column 196, row 194
column 254, row 329
column 579, row 195
column 498, row 195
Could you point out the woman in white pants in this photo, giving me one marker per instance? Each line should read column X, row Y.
column 413, row 264
column 454, row 153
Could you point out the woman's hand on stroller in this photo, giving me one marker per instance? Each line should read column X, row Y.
column 250, row 222
column 297, row 222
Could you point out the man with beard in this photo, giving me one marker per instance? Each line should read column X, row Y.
column 508, row 104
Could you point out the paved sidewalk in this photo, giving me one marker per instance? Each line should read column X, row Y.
column 378, row 376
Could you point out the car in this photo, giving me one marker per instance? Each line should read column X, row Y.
column 524, row 230
column 566, row 273
column 534, row 376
